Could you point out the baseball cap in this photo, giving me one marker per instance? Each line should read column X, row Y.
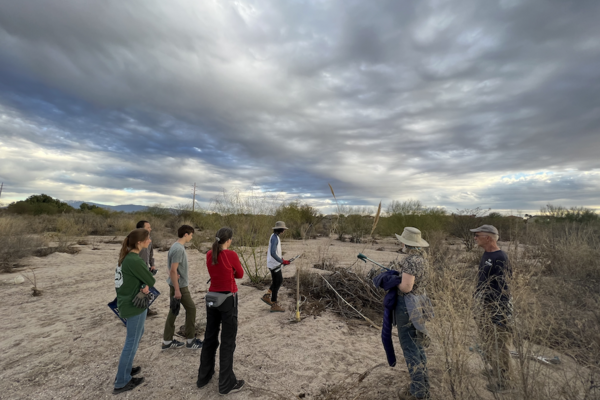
column 486, row 229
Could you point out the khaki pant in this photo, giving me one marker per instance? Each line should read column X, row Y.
column 495, row 341
column 190, row 315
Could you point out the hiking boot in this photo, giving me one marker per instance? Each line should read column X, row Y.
column 135, row 370
column 267, row 299
column 195, row 345
column 175, row 344
column 275, row 307
column 236, row 388
column 151, row 313
column 130, row 385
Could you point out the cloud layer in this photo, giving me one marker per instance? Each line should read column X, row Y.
column 456, row 103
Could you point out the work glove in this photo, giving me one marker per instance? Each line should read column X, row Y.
column 153, row 271
column 175, row 306
column 141, row 300
column 286, row 262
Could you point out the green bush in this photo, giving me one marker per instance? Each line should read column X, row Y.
column 39, row 204
column 300, row 218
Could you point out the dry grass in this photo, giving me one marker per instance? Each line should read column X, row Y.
column 16, row 241
column 553, row 316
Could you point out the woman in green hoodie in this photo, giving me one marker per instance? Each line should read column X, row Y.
column 131, row 277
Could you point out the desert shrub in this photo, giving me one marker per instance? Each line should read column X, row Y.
column 40, row 204
column 573, row 214
column 251, row 217
column 299, row 218
column 157, row 211
column 121, row 223
column 16, row 241
column 352, row 226
column 461, row 223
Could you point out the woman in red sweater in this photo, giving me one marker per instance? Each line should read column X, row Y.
column 224, row 268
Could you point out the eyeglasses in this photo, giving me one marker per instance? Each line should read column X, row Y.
column 477, row 235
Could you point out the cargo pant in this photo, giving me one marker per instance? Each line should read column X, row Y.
column 190, row 315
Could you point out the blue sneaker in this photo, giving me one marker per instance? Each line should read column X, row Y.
column 195, row 345
column 175, row 344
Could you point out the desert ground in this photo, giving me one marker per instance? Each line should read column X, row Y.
column 65, row 344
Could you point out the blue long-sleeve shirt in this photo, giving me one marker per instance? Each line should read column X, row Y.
column 389, row 282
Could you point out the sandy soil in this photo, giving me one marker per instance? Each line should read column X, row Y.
column 66, row 343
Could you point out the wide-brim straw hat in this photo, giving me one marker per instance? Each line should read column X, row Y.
column 412, row 237
column 280, row 225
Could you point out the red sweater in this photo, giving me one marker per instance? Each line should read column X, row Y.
column 223, row 273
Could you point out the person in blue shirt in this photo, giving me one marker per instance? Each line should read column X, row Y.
column 274, row 262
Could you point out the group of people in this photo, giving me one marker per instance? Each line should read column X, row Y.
column 407, row 297
column 134, row 276
column 406, row 304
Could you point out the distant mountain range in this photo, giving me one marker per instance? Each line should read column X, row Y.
column 124, row 207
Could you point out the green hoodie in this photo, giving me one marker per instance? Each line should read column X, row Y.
column 129, row 278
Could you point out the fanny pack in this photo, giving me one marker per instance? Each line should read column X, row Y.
column 215, row 299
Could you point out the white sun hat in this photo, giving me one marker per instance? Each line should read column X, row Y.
column 280, row 225
column 412, row 237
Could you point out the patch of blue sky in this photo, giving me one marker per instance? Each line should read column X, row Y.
column 525, row 175
column 131, row 190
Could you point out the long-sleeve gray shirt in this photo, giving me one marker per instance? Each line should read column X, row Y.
column 148, row 256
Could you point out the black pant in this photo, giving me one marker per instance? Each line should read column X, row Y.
column 226, row 314
column 276, row 281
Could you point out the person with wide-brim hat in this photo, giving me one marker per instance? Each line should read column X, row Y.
column 412, row 237
column 274, row 261
column 414, row 271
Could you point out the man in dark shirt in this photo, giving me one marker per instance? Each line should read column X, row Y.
column 493, row 307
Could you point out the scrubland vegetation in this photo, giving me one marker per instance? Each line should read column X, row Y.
column 555, row 259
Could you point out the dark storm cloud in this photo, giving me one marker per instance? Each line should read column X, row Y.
column 384, row 100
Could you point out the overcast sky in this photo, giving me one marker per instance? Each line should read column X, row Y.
column 456, row 103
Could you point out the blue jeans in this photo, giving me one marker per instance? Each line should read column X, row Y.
column 414, row 354
column 135, row 330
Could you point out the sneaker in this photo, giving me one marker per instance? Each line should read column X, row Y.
column 275, row 307
column 175, row 344
column 267, row 299
column 236, row 388
column 151, row 313
column 195, row 345
column 131, row 385
column 136, row 370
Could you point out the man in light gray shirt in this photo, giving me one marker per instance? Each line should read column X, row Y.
column 178, row 285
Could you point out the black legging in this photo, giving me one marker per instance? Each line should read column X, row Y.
column 227, row 315
column 277, row 280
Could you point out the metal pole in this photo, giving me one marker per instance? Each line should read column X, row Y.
column 1, row 186
column 194, row 201
column 297, row 293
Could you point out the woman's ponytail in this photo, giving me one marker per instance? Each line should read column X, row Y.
column 131, row 241
column 124, row 250
column 222, row 236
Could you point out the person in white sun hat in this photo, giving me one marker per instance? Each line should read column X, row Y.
column 412, row 309
column 274, row 262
